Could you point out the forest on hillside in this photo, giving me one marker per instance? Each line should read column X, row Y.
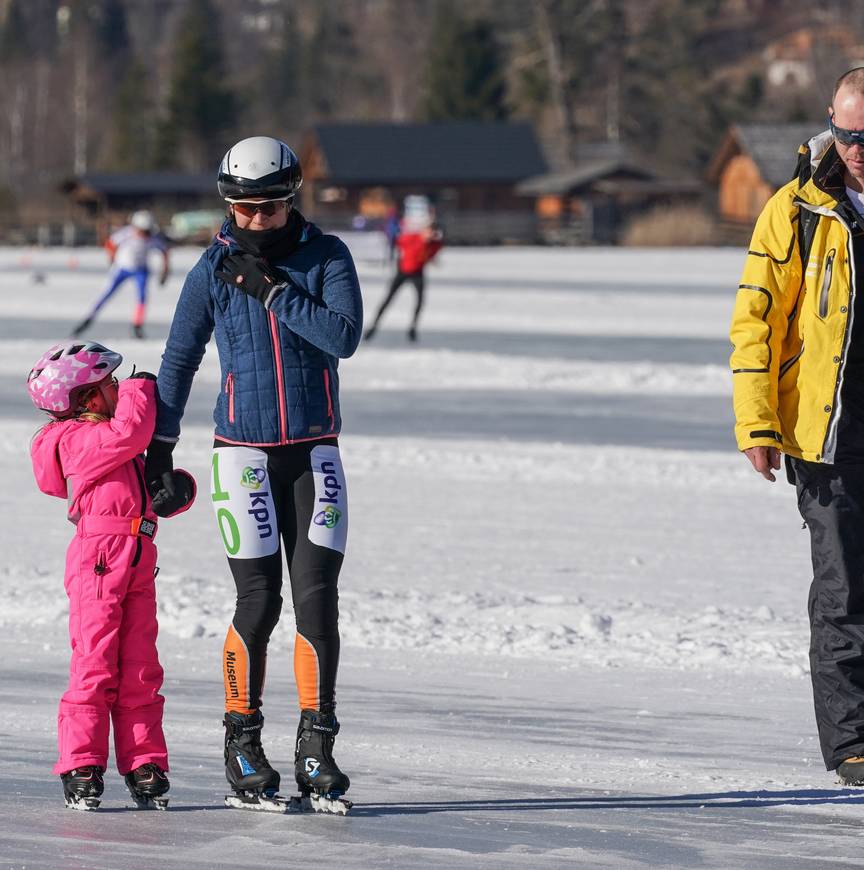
column 122, row 85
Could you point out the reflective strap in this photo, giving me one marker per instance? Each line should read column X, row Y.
column 142, row 526
column 100, row 525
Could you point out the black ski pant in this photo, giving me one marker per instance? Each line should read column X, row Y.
column 417, row 279
column 286, row 472
column 831, row 502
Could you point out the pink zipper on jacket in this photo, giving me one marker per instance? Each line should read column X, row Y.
column 280, row 377
column 329, row 399
column 229, row 389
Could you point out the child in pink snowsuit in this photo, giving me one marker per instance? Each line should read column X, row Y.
column 90, row 454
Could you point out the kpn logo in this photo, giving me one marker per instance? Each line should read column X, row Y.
column 252, row 478
column 328, row 517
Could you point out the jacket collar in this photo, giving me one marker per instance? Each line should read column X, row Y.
column 225, row 237
column 825, row 186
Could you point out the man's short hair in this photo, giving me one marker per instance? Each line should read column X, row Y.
column 854, row 78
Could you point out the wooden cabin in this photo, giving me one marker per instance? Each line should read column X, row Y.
column 753, row 161
column 469, row 170
column 592, row 201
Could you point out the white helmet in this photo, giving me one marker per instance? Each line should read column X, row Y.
column 143, row 220
column 259, row 167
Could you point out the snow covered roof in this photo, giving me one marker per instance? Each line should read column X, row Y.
column 451, row 152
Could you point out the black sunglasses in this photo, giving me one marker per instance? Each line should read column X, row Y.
column 844, row 136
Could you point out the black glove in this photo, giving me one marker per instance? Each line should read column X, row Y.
column 253, row 275
column 144, row 376
column 158, row 471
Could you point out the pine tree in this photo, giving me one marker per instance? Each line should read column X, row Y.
column 111, row 33
column 277, row 85
column 132, row 139
column 16, row 95
column 330, row 72
column 464, row 75
column 201, row 106
column 663, row 59
column 14, row 36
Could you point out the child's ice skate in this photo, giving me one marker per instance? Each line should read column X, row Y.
column 83, row 787
column 148, row 785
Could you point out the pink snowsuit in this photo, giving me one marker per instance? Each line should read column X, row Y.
column 110, row 566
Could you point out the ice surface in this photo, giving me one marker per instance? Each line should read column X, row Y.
column 574, row 625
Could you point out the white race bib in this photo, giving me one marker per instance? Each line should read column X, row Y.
column 243, row 502
column 329, row 525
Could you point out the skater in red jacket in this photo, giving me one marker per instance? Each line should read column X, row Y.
column 416, row 249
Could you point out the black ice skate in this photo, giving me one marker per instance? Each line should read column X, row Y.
column 252, row 779
column 851, row 771
column 83, row 787
column 83, row 326
column 319, row 779
column 148, row 785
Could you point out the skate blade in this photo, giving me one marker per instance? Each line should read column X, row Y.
column 311, row 803
column 320, row 803
column 83, row 804
column 263, row 803
column 148, row 802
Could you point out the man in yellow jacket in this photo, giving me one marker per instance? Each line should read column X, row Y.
column 798, row 376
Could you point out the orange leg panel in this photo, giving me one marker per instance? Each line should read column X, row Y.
column 235, row 669
column 306, row 673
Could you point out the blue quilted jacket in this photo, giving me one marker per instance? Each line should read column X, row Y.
column 279, row 366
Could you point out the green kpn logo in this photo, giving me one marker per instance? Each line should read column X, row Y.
column 252, row 478
column 328, row 517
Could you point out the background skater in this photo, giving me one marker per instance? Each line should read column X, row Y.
column 416, row 249
column 129, row 250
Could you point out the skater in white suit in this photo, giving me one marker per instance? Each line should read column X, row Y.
column 129, row 251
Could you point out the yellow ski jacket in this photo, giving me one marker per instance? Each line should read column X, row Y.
column 792, row 320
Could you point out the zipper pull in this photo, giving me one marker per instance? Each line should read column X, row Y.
column 100, row 567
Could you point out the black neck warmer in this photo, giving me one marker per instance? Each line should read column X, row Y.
column 272, row 245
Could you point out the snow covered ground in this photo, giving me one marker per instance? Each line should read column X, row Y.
column 574, row 623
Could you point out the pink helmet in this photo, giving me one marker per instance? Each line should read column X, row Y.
column 67, row 370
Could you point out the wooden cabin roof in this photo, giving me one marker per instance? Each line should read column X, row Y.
column 452, row 152
column 772, row 147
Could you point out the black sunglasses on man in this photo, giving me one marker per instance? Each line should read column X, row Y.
column 844, row 136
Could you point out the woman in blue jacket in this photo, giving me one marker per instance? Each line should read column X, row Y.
column 283, row 300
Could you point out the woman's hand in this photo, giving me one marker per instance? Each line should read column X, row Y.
column 159, row 470
column 253, row 275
